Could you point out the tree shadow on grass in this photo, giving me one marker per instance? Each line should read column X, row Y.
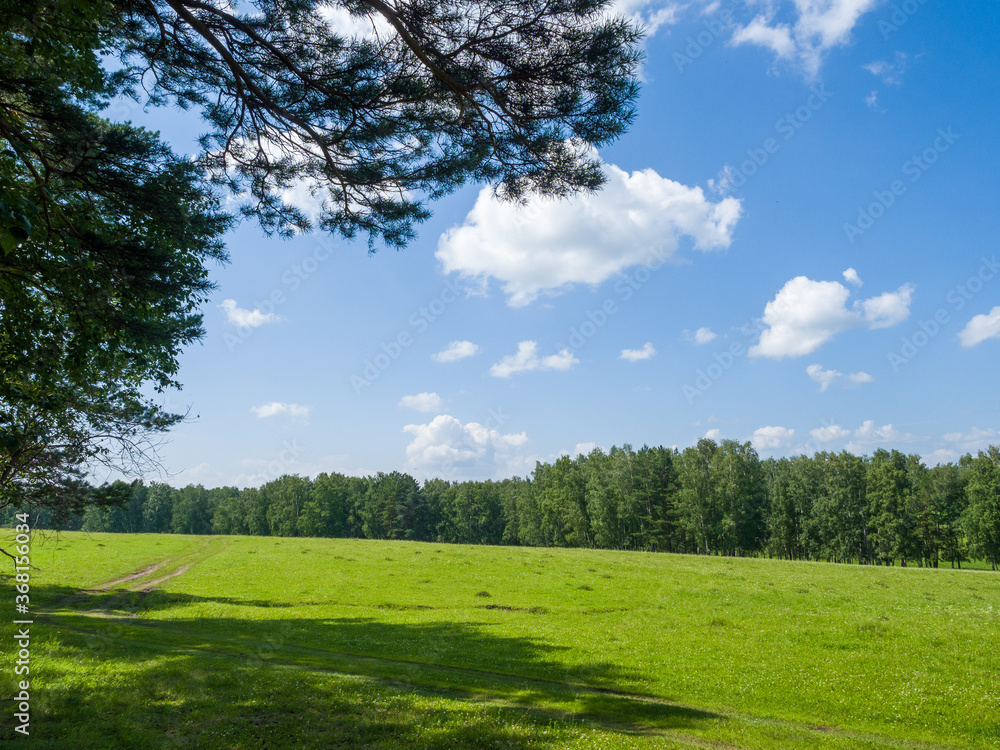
column 345, row 682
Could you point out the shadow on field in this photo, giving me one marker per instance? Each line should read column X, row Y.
column 126, row 681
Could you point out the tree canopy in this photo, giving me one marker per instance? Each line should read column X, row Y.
column 372, row 124
column 106, row 234
column 714, row 498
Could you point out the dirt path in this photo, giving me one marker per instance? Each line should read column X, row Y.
column 131, row 577
column 110, row 592
column 150, row 585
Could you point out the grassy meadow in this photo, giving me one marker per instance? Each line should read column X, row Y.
column 166, row 641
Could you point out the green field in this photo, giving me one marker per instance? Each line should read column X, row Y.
column 273, row 643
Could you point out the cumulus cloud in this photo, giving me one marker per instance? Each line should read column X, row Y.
column 974, row 440
column 277, row 408
column 714, row 434
column 869, row 432
column 826, row 378
column 960, row 443
column 650, row 14
column 806, row 314
column 852, row 278
column 582, row 449
column 455, row 351
column 981, row 328
column 421, row 402
column 803, row 37
column 776, row 38
column 636, row 355
column 888, row 309
column 772, row 438
column 246, row 318
column 868, row 435
column 527, row 359
column 940, row 456
column 701, row 336
column 447, row 448
column 829, row 434
column 546, row 246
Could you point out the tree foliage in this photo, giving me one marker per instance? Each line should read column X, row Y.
column 106, row 234
column 711, row 499
column 439, row 93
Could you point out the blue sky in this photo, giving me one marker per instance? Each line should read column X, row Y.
column 797, row 246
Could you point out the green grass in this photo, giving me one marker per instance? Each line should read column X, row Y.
column 273, row 643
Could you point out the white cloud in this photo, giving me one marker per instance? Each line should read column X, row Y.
column 723, row 182
column 829, row 434
column 868, row 434
column 872, row 100
column 890, row 73
column 804, row 37
column 826, row 378
column 981, row 328
column 357, row 26
column 701, row 336
column 852, row 278
column 888, row 309
column 583, row 449
column 860, row 378
column 455, row 351
column 650, row 14
column 246, row 318
column 421, row 402
column 806, row 314
column 868, row 431
column 276, row 408
column 776, row 38
column 449, row 449
column 548, row 245
column 704, row 335
column 940, row 456
column 973, row 441
column 960, row 443
column 527, row 359
column 635, row 355
column 714, row 434
column 772, row 438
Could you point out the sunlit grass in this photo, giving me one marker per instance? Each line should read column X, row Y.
column 346, row 643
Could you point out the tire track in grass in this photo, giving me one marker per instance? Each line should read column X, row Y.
column 149, row 569
column 108, row 593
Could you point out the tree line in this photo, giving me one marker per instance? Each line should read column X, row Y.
column 713, row 498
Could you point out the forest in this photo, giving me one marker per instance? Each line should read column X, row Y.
column 713, row 498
